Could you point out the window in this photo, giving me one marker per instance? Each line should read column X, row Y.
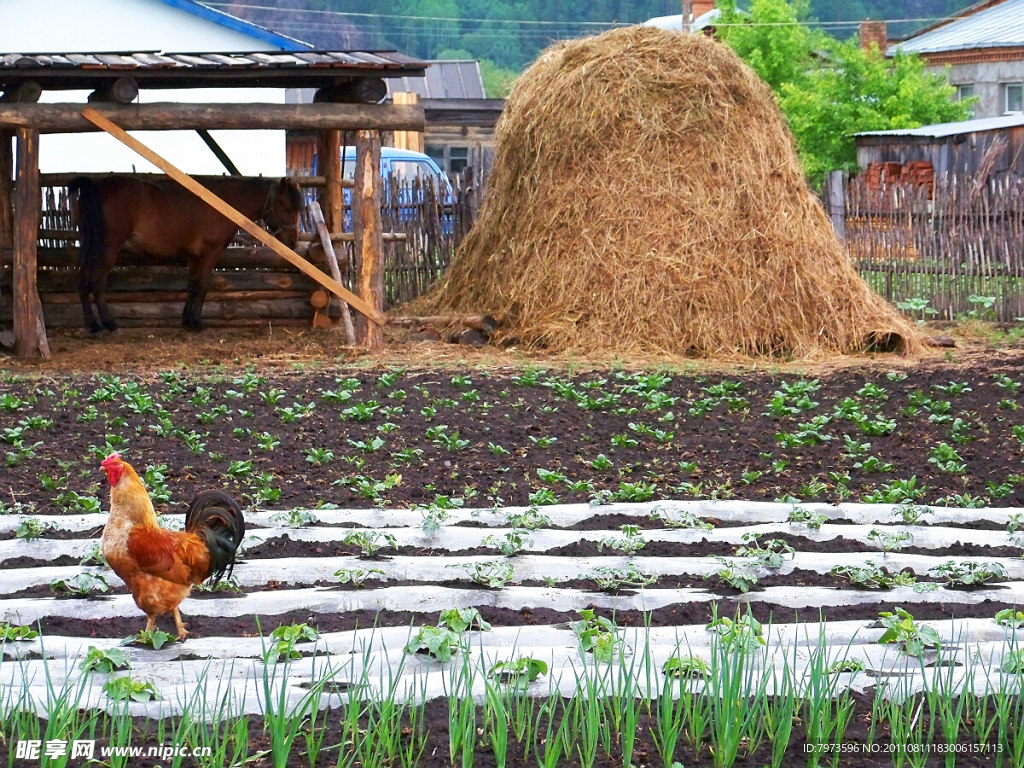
column 1015, row 97
column 459, row 159
column 964, row 92
column 407, row 170
column 436, row 154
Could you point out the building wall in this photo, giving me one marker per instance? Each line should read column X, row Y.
column 988, row 79
column 95, row 26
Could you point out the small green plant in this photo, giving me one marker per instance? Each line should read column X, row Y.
column 511, row 544
column 531, row 520
column 358, row 577
column 901, row 629
column 946, row 459
column 319, row 456
column 911, row 514
column 437, row 642
column 370, row 542
column 461, row 619
column 1008, row 617
column 596, row 635
column 1012, row 662
column 434, row 516
column 31, row 528
column 743, row 632
column 770, row 554
column 81, row 586
column 518, row 674
column 107, row 660
column 969, row 574
column 14, row 633
column 848, row 666
column 686, row 667
column 283, row 641
column 636, row 492
column 154, row 638
column 890, row 542
column 632, row 542
column 493, row 574
column 614, row 579
column 601, row 463
column 870, row 576
column 294, row 518
column 738, row 576
column 801, row 516
column 684, row 519
column 122, row 688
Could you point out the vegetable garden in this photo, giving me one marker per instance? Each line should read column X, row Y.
column 531, row 567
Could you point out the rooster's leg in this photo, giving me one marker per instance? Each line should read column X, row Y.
column 182, row 629
column 150, row 623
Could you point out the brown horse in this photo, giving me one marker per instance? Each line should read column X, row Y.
column 164, row 220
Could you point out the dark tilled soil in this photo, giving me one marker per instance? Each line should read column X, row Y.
column 724, row 443
column 671, row 615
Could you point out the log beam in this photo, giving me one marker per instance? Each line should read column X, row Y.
column 124, row 90
column 366, row 220
column 67, row 118
column 29, row 330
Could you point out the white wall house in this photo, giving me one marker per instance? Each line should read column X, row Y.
column 168, row 26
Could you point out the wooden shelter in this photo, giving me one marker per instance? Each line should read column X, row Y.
column 994, row 145
column 349, row 84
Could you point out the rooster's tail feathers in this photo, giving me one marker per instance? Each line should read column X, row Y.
column 216, row 517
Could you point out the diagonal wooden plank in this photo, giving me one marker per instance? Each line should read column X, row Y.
column 230, row 213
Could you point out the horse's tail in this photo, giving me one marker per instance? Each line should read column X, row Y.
column 91, row 228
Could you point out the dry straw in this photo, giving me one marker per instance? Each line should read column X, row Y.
column 646, row 197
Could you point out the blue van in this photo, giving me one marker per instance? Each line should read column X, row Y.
column 404, row 166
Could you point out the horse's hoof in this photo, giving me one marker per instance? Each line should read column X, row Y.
column 96, row 332
column 111, row 326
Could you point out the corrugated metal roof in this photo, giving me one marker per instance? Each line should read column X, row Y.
column 997, row 27
column 298, row 69
column 941, row 130
column 444, row 80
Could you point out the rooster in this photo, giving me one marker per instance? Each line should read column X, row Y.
column 158, row 565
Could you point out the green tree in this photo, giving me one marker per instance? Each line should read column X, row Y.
column 771, row 39
column 859, row 90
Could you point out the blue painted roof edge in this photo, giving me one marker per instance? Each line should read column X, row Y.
column 238, row 25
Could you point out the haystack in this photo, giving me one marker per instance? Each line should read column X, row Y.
column 646, row 197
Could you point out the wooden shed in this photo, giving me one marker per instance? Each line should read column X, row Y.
column 37, row 263
column 992, row 144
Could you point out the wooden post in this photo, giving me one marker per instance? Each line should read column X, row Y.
column 6, row 189
column 332, row 196
column 837, row 203
column 332, row 263
column 412, row 140
column 369, row 245
column 29, row 331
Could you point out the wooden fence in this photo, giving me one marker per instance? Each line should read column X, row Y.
column 960, row 248
column 251, row 285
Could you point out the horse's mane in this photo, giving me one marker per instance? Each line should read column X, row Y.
column 295, row 198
